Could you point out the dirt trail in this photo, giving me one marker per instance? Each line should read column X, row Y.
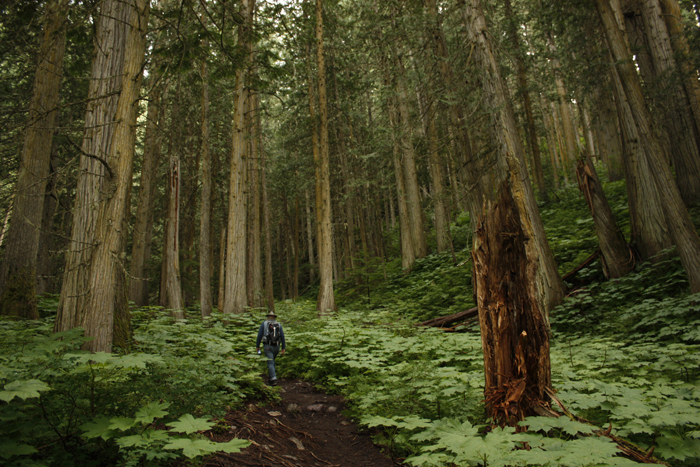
column 306, row 429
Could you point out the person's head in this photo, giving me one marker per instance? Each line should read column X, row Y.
column 271, row 315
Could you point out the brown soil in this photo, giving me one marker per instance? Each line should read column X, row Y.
column 306, row 429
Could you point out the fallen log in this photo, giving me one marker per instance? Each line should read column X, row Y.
column 444, row 321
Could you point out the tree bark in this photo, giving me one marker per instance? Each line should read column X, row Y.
column 205, row 260
column 442, row 227
column 517, row 281
column 235, row 298
column 326, row 298
column 675, row 115
column 521, row 72
column 410, row 173
column 617, row 258
column 19, row 267
column 269, row 293
column 659, row 174
column 310, row 240
column 100, row 117
column 254, row 284
column 514, row 329
column 143, row 227
column 408, row 256
column 107, row 317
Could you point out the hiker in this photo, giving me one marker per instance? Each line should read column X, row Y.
column 272, row 336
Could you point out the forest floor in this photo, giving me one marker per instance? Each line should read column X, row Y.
column 305, row 429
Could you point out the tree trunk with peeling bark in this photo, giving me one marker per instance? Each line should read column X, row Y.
column 517, row 282
column 19, row 268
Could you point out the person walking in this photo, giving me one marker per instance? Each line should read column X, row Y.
column 272, row 337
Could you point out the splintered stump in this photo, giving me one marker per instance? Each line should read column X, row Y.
column 514, row 328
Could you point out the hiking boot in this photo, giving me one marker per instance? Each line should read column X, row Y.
column 273, row 382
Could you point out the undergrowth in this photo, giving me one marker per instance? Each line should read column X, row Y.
column 63, row 406
column 625, row 354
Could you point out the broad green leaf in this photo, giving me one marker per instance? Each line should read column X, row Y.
column 675, row 447
column 192, row 448
column 99, row 427
column 188, row 424
column 378, row 421
column 10, row 448
column 151, row 411
column 233, row 446
column 121, row 423
column 23, row 389
column 147, row 438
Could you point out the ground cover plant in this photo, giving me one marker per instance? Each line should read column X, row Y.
column 63, row 406
column 624, row 357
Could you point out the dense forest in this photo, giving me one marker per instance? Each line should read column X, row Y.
column 477, row 220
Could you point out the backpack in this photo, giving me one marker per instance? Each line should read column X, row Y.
column 273, row 333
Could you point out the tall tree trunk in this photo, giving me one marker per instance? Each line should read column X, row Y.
column 236, row 295
column 310, row 241
column 100, row 117
column 143, row 227
column 326, row 298
column 520, row 67
column 671, row 14
column 607, row 128
column 171, row 293
column 107, row 317
column 44, row 267
column 269, row 294
column 675, row 114
column 205, row 260
column 517, row 279
column 659, row 173
column 551, row 144
column 442, row 227
column 222, row 269
column 408, row 256
column 254, row 269
column 617, row 258
column 567, row 121
column 459, row 136
column 18, row 270
column 410, row 173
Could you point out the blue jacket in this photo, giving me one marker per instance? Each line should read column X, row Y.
column 263, row 331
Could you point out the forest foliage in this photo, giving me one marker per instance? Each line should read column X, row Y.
column 364, row 151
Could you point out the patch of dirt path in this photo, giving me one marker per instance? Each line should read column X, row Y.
column 306, row 429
